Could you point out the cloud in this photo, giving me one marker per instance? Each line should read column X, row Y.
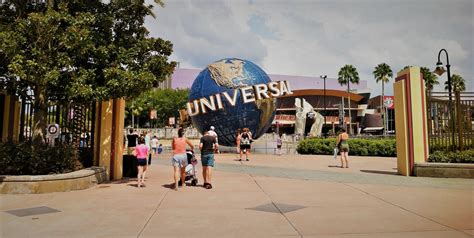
column 319, row 37
column 204, row 32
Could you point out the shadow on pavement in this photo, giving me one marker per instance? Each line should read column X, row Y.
column 378, row 172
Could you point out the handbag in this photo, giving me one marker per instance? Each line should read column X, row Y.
column 336, row 151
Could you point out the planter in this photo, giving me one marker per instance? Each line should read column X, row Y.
column 444, row 170
column 77, row 180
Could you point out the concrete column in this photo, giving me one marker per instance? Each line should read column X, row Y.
column 10, row 118
column 108, row 148
column 410, row 120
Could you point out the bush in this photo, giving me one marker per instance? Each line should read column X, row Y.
column 29, row 159
column 362, row 147
column 466, row 156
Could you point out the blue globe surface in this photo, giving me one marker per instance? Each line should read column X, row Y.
column 230, row 75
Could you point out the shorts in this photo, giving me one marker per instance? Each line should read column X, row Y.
column 141, row 162
column 207, row 160
column 279, row 146
column 244, row 147
column 180, row 160
column 155, row 149
column 344, row 148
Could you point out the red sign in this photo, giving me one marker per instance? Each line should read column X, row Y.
column 388, row 102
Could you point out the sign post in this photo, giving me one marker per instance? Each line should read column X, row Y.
column 52, row 133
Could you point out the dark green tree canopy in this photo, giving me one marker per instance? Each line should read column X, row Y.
column 79, row 51
column 430, row 78
column 383, row 73
column 348, row 74
column 457, row 84
column 167, row 103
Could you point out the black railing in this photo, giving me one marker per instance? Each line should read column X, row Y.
column 76, row 122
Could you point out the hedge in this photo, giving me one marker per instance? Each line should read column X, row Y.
column 362, row 147
column 29, row 159
column 466, row 156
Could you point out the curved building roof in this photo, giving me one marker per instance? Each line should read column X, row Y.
column 184, row 78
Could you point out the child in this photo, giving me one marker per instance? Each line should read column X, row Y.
column 154, row 144
column 141, row 152
column 279, row 144
column 160, row 149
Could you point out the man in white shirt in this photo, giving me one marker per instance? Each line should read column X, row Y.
column 214, row 134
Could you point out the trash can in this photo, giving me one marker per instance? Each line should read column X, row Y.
column 129, row 168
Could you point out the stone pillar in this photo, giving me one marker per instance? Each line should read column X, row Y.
column 10, row 121
column 410, row 120
column 109, row 131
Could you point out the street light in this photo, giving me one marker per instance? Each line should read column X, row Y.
column 440, row 71
column 325, row 109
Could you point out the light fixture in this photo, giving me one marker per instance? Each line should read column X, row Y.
column 439, row 69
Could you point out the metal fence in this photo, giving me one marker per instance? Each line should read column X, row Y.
column 450, row 121
column 76, row 122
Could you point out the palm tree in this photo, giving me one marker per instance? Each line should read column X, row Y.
column 457, row 84
column 430, row 79
column 348, row 74
column 382, row 73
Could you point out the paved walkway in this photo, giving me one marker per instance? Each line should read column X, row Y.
column 269, row 196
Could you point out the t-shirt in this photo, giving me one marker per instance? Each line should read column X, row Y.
column 208, row 142
column 147, row 140
column 141, row 151
column 279, row 141
column 132, row 140
column 213, row 134
column 154, row 143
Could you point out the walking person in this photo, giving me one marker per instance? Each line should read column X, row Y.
column 132, row 141
column 245, row 140
column 154, row 145
column 237, row 140
column 207, row 145
column 279, row 143
column 141, row 152
column 343, row 144
column 147, row 135
column 213, row 133
column 180, row 159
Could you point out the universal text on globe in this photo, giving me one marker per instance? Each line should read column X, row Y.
column 249, row 94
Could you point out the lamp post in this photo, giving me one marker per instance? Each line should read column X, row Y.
column 440, row 71
column 325, row 109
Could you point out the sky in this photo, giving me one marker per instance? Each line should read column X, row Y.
column 318, row 37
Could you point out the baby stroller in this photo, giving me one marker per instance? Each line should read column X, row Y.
column 191, row 169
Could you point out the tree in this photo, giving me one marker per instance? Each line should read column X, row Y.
column 430, row 79
column 383, row 73
column 79, row 51
column 457, row 84
column 167, row 103
column 348, row 74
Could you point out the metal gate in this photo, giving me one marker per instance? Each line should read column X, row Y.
column 450, row 121
column 76, row 121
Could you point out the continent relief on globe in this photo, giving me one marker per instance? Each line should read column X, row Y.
column 225, row 72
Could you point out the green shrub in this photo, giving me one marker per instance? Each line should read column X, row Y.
column 29, row 159
column 466, row 156
column 362, row 147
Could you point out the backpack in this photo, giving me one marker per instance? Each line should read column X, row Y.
column 245, row 139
